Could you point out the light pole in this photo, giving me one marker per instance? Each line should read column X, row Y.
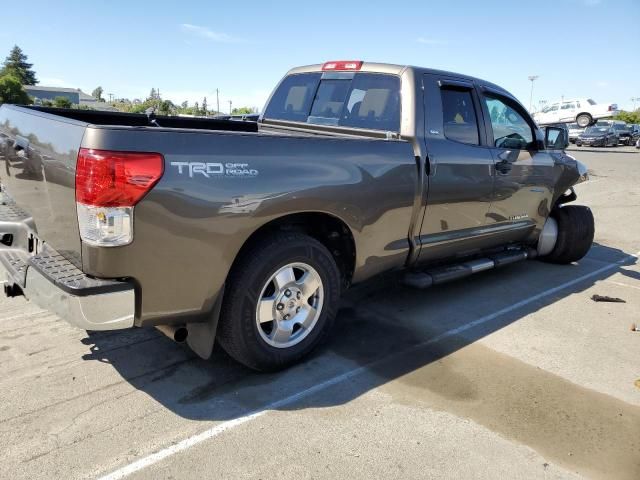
column 532, row 78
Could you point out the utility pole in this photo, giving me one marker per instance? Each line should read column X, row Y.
column 532, row 78
column 110, row 97
column 634, row 100
column 217, row 102
column 230, row 109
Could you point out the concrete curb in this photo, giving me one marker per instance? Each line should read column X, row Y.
column 601, row 150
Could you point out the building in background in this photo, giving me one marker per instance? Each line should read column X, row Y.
column 74, row 95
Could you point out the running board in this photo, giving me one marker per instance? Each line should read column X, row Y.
column 436, row 276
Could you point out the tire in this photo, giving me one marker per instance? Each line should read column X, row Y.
column 576, row 229
column 265, row 346
column 584, row 120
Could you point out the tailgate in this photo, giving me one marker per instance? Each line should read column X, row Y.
column 39, row 153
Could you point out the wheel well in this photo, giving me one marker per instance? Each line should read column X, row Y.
column 332, row 232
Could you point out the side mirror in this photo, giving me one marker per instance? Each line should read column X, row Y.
column 555, row 138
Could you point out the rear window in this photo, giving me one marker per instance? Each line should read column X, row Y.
column 365, row 100
column 292, row 100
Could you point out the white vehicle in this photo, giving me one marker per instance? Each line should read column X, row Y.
column 574, row 131
column 583, row 111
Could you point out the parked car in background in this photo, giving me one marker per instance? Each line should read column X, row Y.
column 598, row 137
column 574, row 132
column 635, row 133
column 583, row 111
column 624, row 133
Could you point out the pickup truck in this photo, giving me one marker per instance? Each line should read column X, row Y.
column 246, row 233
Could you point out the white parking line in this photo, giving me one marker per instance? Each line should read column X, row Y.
column 622, row 284
column 230, row 424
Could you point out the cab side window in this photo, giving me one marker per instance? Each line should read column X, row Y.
column 459, row 116
column 510, row 128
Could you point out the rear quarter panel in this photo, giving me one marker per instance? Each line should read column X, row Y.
column 189, row 228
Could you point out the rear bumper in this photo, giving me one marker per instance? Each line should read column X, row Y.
column 54, row 283
column 98, row 311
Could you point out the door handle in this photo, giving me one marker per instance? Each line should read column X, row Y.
column 503, row 166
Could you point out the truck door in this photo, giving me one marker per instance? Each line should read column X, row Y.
column 524, row 179
column 460, row 168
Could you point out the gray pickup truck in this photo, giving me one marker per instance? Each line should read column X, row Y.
column 247, row 233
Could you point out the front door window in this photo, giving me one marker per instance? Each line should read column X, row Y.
column 510, row 129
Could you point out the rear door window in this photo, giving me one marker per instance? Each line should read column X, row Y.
column 459, row 116
column 364, row 100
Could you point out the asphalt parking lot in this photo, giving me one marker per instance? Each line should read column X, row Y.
column 514, row 373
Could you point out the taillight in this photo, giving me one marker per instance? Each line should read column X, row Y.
column 343, row 65
column 108, row 185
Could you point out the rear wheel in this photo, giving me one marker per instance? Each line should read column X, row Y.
column 584, row 120
column 576, row 229
column 280, row 301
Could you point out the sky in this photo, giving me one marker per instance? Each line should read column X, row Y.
column 188, row 49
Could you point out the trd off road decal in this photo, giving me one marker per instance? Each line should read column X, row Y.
column 213, row 170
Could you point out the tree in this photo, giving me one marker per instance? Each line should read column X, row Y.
column 166, row 107
column 97, row 93
column 629, row 117
column 12, row 91
column 16, row 65
column 242, row 111
column 62, row 102
column 204, row 106
column 184, row 105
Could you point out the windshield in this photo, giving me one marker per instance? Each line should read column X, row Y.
column 620, row 127
column 361, row 100
column 597, row 130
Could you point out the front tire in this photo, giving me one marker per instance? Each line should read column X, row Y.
column 280, row 301
column 576, row 228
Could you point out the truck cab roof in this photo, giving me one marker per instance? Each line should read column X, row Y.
column 392, row 69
